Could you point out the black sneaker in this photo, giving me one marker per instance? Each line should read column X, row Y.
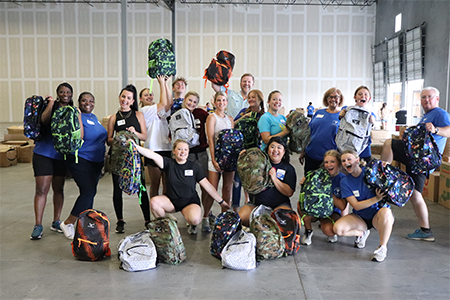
column 120, row 228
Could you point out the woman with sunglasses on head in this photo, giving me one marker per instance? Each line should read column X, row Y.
column 324, row 126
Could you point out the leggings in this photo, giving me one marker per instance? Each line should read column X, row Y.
column 118, row 199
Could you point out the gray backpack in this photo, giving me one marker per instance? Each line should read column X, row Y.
column 137, row 252
column 240, row 252
column 354, row 130
column 182, row 126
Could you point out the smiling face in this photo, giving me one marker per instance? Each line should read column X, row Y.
column 179, row 87
column 362, row 97
column 246, row 84
column 253, row 100
column 333, row 100
column 190, row 102
column 181, row 152
column 275, row 102
column 86, row 103
column 221, row 102
column 64, row 95
column 146, row 97
column 332, row 165
column 276, row 152
column 349, row 162
column 126, row 100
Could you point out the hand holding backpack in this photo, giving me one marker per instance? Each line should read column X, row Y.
column 421, row 149
column 230, row 142
column 66, row 130
column 130, row 176
column 354, row 130
column 396, row 184
column 253, row 167
column 34, row 107
column 248, row 126
column 299, row 131
column 182, row 126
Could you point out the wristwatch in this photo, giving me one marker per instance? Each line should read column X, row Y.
column 436, row 130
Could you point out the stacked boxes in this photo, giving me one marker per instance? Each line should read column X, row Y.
column 444, row 185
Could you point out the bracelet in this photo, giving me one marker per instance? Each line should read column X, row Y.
column 220, row 203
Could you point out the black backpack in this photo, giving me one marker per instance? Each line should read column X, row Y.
column 161, row 58
column 220, row 68
column 34, row 107
column 91, row 239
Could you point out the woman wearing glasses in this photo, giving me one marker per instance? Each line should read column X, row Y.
column 324, row 126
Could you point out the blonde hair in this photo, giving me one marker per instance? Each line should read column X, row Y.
column 178, row 141
column 220, row 93
column 333, row 153
column 362, row 162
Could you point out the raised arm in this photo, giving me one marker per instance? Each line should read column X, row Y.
column 158, row 159
column 205, row 184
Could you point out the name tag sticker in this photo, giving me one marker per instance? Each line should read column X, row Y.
column 356, row 193
column 90, row 122
column 280, row 174
column 319, row 116
column 188, row 172
column 120, row 122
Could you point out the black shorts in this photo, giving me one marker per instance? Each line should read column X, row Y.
column 150, row 162
column 398, row 148
column 179, row 204
column 46, row 166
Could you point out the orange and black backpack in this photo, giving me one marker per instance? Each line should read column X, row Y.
column 220, row 69
column 289, row 223
column 91, row 239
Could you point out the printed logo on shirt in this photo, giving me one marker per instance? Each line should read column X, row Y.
column 90, row 122
column 120, row 122
column 280, row 174
column 335, row 123
column 356, row 193
column 197, row 123
column 337, row 192
column 188, row 172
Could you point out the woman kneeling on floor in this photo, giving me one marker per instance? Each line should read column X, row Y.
column 181, row 177
column 368, row 209
column 284, row 179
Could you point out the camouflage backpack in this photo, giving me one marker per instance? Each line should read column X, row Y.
column 130, row 176
column 253, row 167
column 34, row 107
column 316, row 198
column 290, row 224
column 118, row 149
column 66, row 130
column 169, row 245
column 230, row 143
column 300, row 133
column 270, row 243
column 226, row 225
column 395, row 183
column 248, row 126
column 421, row 149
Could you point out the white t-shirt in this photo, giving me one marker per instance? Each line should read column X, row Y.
column 157, row 129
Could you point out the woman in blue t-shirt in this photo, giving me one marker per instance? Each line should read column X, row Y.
column 324, row 126
column 272, row 123
column 332, row 163
column 368, row 208
column 283, row 177
column 86, row 172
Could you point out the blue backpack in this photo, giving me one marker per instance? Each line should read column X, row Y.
column 230, row 142
column 316, row 198
column 130, row 176
column 421, row 149
column 34, row 107
column 395, row 183
column 66, row 130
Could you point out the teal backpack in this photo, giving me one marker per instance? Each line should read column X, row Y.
column 66, row 131
column 316, row 198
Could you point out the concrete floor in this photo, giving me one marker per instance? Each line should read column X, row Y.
column 46, row 269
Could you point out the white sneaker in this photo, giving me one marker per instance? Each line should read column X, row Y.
column 332, row 239
column 306, row 239
column 68, row 230
column 192, row 229
column 360, row 241
column 379, row 254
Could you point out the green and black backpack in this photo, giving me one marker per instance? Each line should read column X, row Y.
column 66, row 130
column 161, row 58
column 316, row 198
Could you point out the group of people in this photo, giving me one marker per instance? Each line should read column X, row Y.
column 179, row 167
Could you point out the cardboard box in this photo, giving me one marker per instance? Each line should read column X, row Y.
column 8, row 156
column 15, row 143
column 401, row 130
column 105, row 122
column 379, row 136
column 444, row 185
column 25, row 153
column 15, row 137
column 447, row 149
column 395, row 137
column 376, row 148
column 15, row 130
column 431, row 187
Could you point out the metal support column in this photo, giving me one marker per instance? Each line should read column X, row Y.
column 124, row 43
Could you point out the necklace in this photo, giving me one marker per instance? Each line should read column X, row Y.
column 126, row 116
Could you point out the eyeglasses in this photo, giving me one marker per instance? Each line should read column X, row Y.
column 334, row 97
